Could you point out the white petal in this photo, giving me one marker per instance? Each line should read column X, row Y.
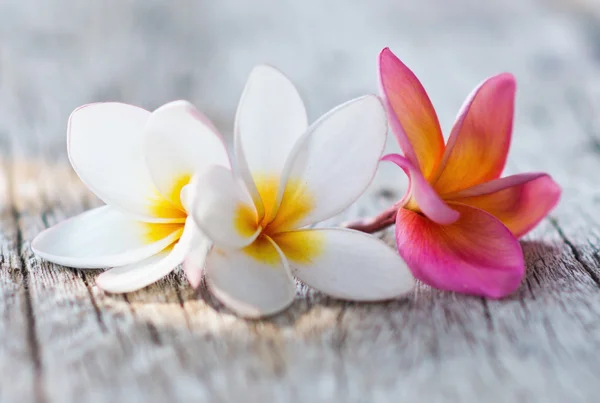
column 106, row 148
column 141, row 274
column 223, row 209
column 137, row 275
column 269, row 120
column 247, row 286
column 347, row 264
column 193, row 265
column 334, row 163
column 187, row 195
column 180, row 141
column 103, row 237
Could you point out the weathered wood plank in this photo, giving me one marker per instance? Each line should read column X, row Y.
column 17, row 352
column 70, row 342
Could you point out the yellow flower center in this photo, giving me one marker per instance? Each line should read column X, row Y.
column 170, row 208
column 278, row 223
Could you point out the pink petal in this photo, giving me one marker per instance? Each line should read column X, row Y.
column 423, row 194
column 475, row 255
column 411, row 114
column 519, row 201
column 478, row 145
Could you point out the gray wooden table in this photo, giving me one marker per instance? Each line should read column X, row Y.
column 63, row 340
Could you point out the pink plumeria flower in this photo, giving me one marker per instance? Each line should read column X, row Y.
column 458, row 224
column 289, row 177
column 139, row 163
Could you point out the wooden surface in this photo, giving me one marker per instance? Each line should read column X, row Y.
column 63, row 340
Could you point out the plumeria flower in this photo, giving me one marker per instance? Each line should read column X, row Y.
column 139, row 163
column 290, row 176
column 458, row 224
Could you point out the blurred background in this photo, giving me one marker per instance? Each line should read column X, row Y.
column 58, row 54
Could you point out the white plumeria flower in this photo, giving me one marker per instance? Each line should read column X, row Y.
column 139, row 163
column 291, row 176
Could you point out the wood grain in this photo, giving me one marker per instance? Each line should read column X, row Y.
column 63, row 340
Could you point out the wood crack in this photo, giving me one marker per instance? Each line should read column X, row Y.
column 341, row 335
column 97, row 311
column 397, row 306
column 530, row 288
column 152, row 330
column 576, row 254
column 31, row 336
column 182, row 305
column 491, row 349
column 154, row 335
column 339, row 344
column 487, row 315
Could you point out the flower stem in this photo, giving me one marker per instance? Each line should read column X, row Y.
column 377, row 223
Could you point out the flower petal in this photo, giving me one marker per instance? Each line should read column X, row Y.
column 223, row 209
column 103, row 237
column 475, row 255
column 250, row 287
column 426, row 199
column 332, row 164
column 346, row 264
column 479, row 142
column 141, row 274
column 412, row 117
column 269, row 120
column 135, row 276
column 179, row 142
column 105, row 142
column 193, row 265
column 519, row 201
